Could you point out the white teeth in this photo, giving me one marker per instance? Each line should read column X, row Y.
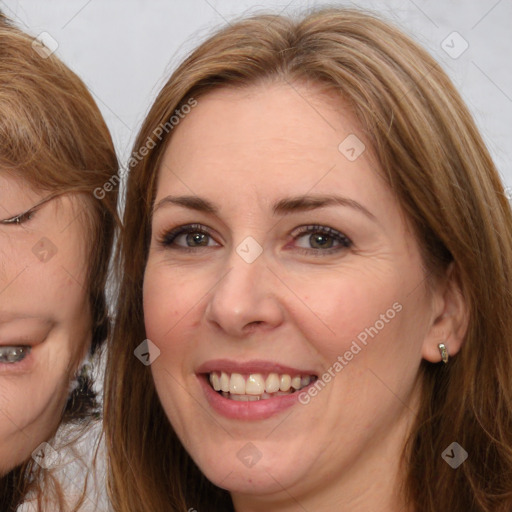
column 215, row 381
column 286, row 382
column 255, row 384
column 224, row 382
column 272, row 383
column 296, row 382
column 237, row 384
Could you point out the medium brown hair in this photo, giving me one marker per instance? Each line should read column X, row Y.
column 53, row 138
column 436, row 163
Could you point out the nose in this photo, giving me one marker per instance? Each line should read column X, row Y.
column 244, row 301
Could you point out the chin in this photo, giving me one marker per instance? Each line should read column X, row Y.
column 244, row 469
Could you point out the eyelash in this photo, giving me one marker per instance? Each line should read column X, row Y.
column 169, row 238
column 343, row 241
column 21, row 218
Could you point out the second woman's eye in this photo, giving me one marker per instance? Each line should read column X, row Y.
column 188, row 237
column 320, row 238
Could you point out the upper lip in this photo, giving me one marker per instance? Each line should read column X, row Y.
column 248, row 367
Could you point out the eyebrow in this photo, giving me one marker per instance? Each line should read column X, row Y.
column 282, row 207
column 312, row 202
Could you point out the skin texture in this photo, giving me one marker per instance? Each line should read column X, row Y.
column 244, row 150
column 42, row 302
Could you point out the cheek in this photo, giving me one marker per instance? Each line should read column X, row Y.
column 54, row 260
column 28, row 400
column 50, row 276
column 51, row 290
column 33, row 402
column 168, row 311
column 171, row 302
column 14, row 260
column 335, row 309
column 30, row 414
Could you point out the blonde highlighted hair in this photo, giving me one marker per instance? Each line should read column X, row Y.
column 437, row 165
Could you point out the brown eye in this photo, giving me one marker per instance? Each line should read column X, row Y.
column 196, row 239
column 188, row 237
column 321, row 238
column 321, row 241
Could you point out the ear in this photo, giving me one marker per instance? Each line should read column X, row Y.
column 450, row 317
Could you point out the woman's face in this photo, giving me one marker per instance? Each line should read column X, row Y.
column 43, row 306
column 280, row 261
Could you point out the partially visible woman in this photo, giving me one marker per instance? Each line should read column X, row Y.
column 320, row 254
column 55, row 246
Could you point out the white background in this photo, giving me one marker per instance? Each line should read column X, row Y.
column 124, row 50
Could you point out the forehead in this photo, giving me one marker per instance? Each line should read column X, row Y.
column 14, row 191
column 269, row 138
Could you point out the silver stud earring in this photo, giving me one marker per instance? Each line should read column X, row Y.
column 444, row 352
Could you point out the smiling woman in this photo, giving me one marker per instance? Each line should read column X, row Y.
column 54, row 150
column 318, row 259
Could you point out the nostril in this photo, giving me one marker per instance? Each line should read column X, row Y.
column 252, row 325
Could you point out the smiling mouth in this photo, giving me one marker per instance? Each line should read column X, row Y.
column 257, row 386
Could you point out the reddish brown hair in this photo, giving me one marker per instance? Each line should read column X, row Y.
column 440, row 170
column 53, row 137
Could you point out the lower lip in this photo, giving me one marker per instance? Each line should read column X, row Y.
column 250, row 411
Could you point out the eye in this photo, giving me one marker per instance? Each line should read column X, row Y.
column 191, row 236
column 13, row 354
column 21, row 218
column 315, row 238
